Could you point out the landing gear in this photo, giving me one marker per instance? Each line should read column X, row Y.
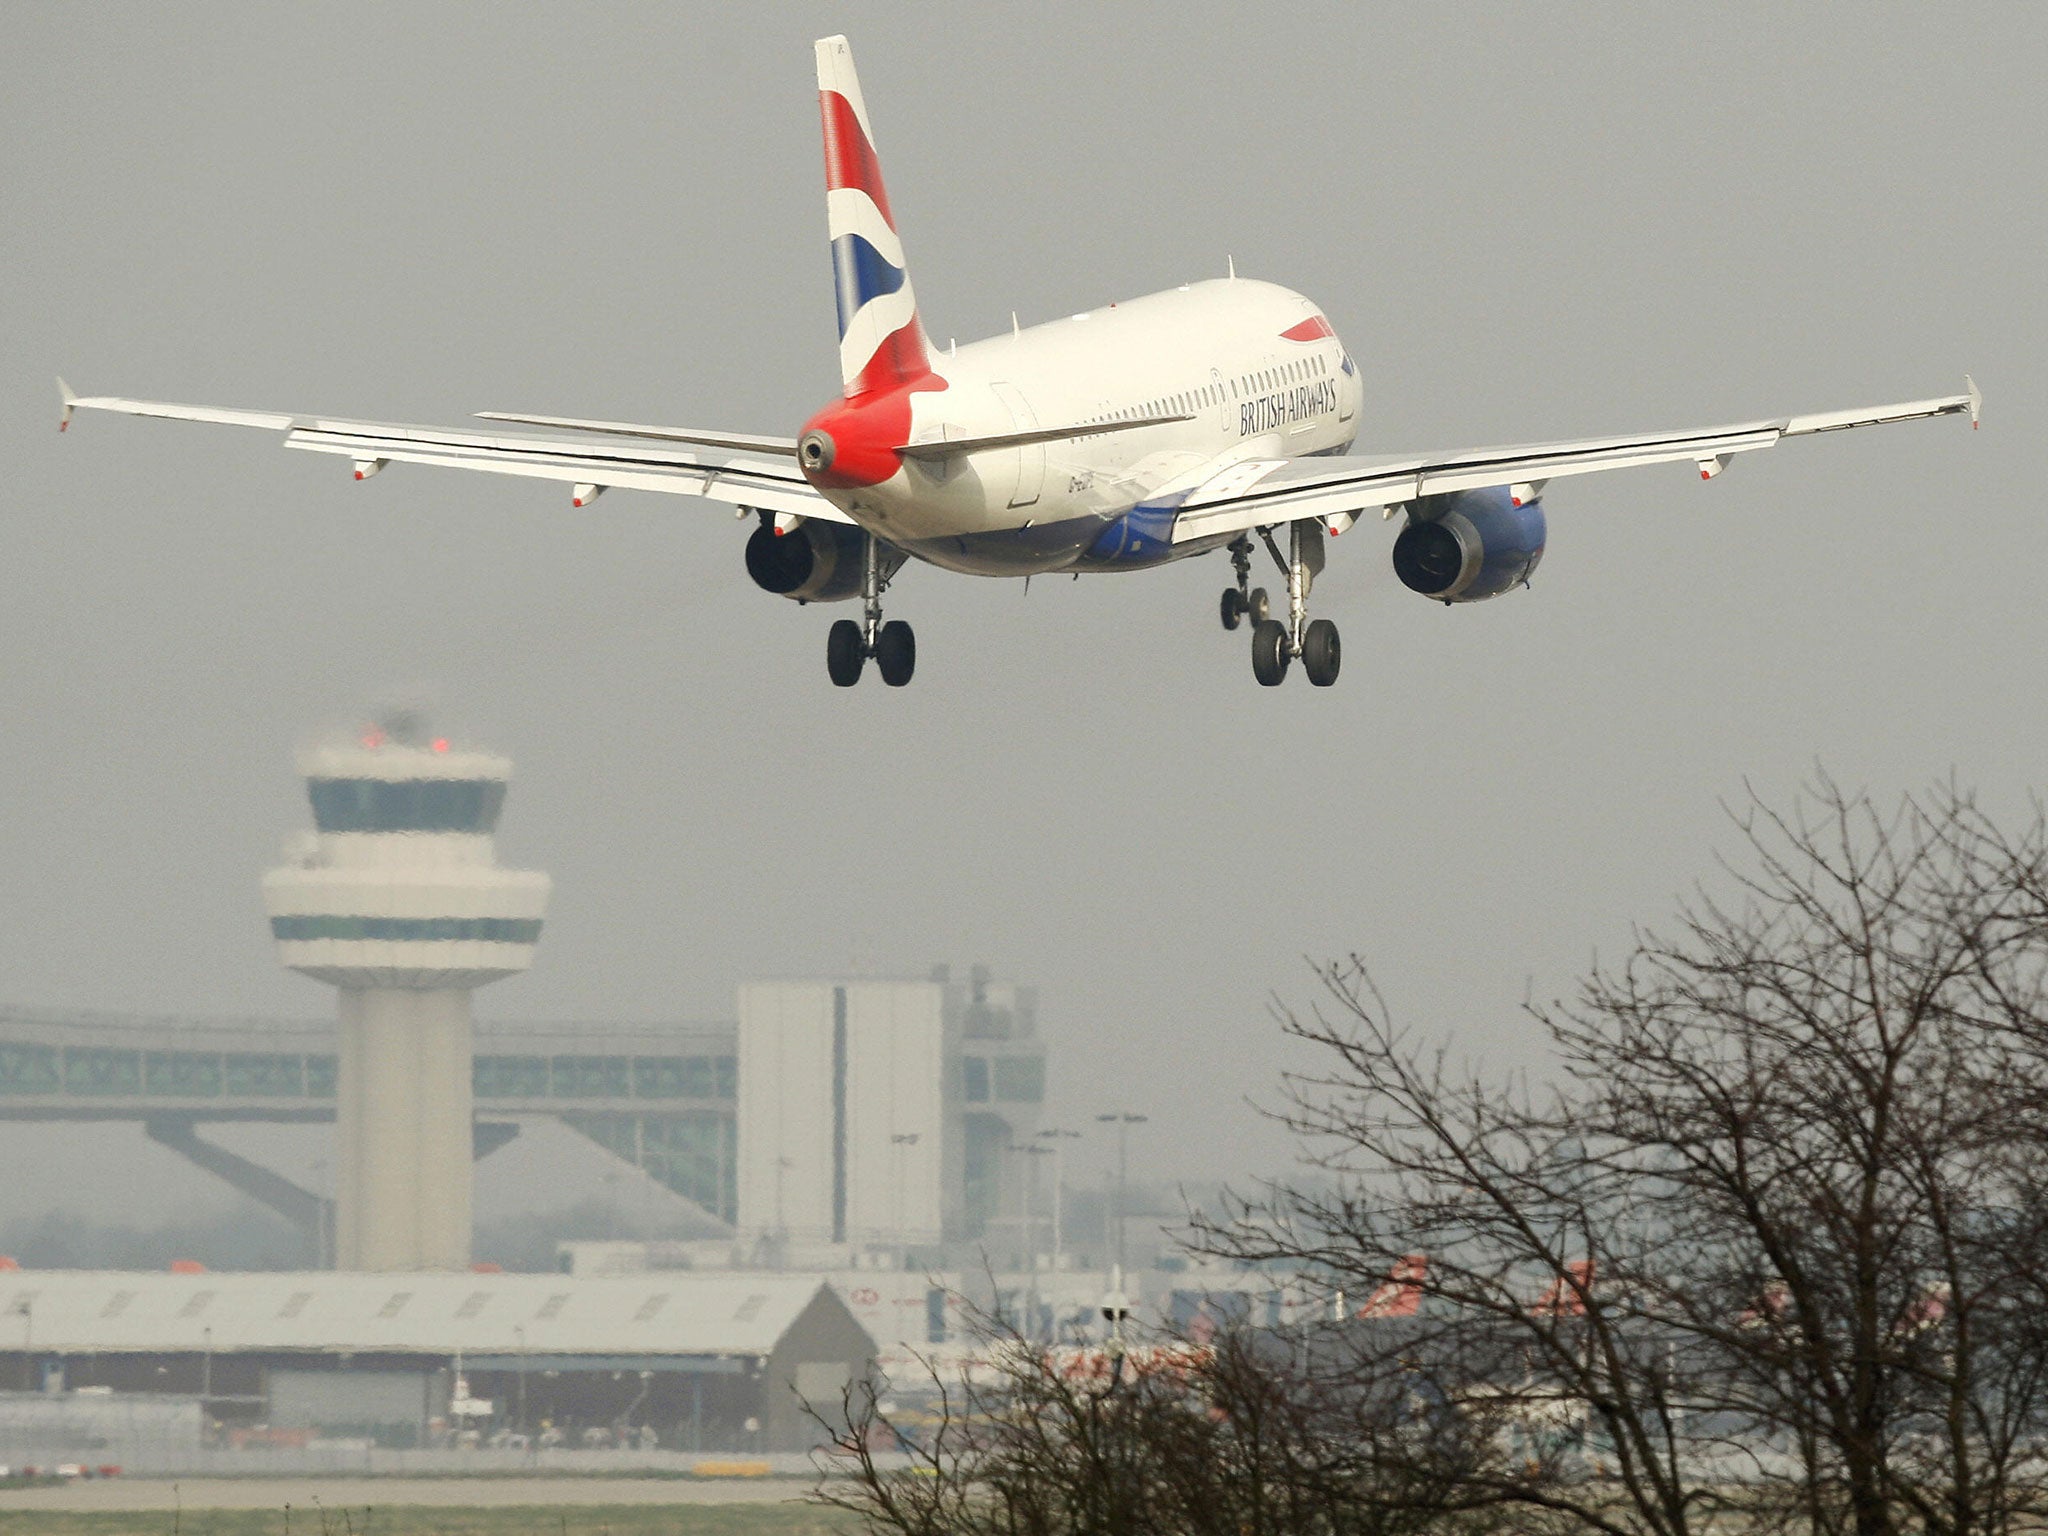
column 1243, row 600
column 896, row 653
column 1269, row 652
column 848, row 644
column 1276, row 643
column 844, row 653
column 1321, row 653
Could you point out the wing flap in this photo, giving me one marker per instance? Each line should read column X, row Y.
column 731, row 442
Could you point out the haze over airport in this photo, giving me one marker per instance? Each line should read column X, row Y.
column 1524, row 224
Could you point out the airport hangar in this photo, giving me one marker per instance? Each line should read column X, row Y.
column 704, row 1361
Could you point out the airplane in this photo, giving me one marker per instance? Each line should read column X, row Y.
column 1119, row 439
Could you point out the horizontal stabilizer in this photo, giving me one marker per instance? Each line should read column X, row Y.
column 964, row 445
column 734, row 442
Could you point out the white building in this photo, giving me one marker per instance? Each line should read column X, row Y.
column 883, row 1113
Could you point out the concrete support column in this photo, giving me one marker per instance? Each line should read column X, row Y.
column 403, row 1115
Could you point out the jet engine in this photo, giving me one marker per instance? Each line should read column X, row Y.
column 1468, row 545
column 814, row 562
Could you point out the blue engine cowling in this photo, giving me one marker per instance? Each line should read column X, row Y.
column 815, row 562
column 1469, row 545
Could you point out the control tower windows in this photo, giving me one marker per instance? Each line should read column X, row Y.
column 303, row 929
column 406, row 805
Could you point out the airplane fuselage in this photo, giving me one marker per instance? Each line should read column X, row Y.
column 1254, row 369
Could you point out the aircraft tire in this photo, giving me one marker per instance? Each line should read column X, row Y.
column 1234, row 606
column 1269, row 652
column 1321, row 653
column 896, row 653
column 1258, row 607
column 845, row 654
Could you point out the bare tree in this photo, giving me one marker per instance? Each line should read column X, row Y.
column 1777, row 1240
column 1249, row 1434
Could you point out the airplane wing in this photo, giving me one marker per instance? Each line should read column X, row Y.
column 1262, row 492
column 763, row 479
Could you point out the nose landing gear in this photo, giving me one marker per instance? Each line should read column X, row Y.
column 1243, row 600
column 848, row 644
column 1275, row 644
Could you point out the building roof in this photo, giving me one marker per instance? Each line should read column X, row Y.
column 660, row 1313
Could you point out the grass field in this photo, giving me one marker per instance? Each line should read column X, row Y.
column 416, row 1520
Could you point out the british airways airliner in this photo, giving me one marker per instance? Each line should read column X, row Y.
column 1217, row 415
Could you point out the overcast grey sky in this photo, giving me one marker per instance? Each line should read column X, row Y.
column 1526, row 222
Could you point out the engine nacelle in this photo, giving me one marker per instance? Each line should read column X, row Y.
column 815, row 562
column 1469, row 545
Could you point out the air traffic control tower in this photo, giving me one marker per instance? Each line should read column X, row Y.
column 398, row 901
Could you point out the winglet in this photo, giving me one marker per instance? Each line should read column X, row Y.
column 64, row 394
column 1976, row 399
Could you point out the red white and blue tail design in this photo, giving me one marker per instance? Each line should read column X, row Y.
column 881, row 340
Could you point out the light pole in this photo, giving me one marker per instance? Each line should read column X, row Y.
column 902, row 1141
column 1058, row 1137
column 1123, row 1120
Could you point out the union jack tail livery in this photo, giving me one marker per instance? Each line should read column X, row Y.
column 881, row 340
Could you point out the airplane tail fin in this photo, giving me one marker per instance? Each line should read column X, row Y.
column 881, row 339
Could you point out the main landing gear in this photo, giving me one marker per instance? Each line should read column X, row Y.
column 1276, row 644
column 848, row 645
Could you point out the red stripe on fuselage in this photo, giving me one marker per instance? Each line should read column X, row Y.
column 1315, row 328
column 849, row 158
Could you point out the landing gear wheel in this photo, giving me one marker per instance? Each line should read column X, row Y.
column 844, row 653
column 1234, row 607
column 1269, row 652
column 896, row 653
column 1321, row 653
column 1257, row 605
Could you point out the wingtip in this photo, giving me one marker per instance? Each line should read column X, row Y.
column 1976, row 397
column 69, row 400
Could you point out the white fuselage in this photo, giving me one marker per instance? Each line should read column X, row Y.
column 1216, row 353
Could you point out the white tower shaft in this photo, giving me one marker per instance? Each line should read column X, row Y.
column 403, row 1114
